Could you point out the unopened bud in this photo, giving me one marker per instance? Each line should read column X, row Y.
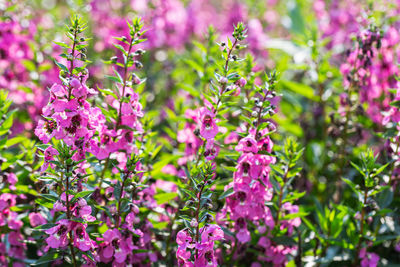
column 140, row 51
column 138, row 65
column 114, row 59
column 193, row 223
column 223, row 80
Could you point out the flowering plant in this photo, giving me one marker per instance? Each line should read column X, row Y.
column 199, row 133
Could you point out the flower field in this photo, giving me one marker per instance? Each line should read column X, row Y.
column 199, row 133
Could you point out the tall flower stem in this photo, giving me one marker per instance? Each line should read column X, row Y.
column 71, row 68
column 117, row 123
column 281, row 195
column 70, row 237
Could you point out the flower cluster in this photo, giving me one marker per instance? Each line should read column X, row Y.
column 338, row 21
column 251, row 184
column 82, row 129
column 10, row 220
column 169, row 153
column 171, row 24
column 204, row 247
column 371, row 69
column 368, row 258
column 21, row 71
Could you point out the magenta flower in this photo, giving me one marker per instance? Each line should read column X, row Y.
column 49, row 154
column 368, row 259
column 206, row 256
column 247, row 144
column 183, row 257
column 250, row 167
column 81, row 238
column 114, row 246
column 211, row 150
column 83, row 210
column 58, row 234
column 46, row 130
column 36, row 219
column 208, row 128
column 211, row 232
column 184, row 240
column 241, row 82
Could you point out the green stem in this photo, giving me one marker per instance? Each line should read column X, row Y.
column 118, row 215
column 103, row 172
column 71, row 69
column 281, row 195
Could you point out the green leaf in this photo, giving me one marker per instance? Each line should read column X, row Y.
column 351, row 184
column 61, row 66
column 108, row 92
column 358, row 168
column 165, row 197
column 83, row 194
column 301, row 89
column 299, row 214
column 29, row 65
column 48, row 257
column 45, row 226
column 395, row 103
column 120, row 48
column 113, row 78
column 226, row 193
column 117, row 191
column 62, row 44
column 385, row 198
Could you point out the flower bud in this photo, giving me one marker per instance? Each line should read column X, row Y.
column 140, row 52
column 75, row 83
column 223, row 80
column 135, row 79
column 114, row 59
column 241, row 82
column 193, row 223
column 138, row 65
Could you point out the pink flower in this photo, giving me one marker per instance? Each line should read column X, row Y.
column 250, row 166
column 83, row 210
column 115, row 246
column 243, row 235
column 12, row 178
column 49, row 154
column 208, row 128
column 58, row 90
column 368, row 259
column 241, row 82
column 184, row 240
column 211, row 150
column 183, row 257
column 58, row 234
column 36, row 219
column 81, row 238
column 247, row 144
column 46, row 130
column 211, row 232
column 206, row 256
